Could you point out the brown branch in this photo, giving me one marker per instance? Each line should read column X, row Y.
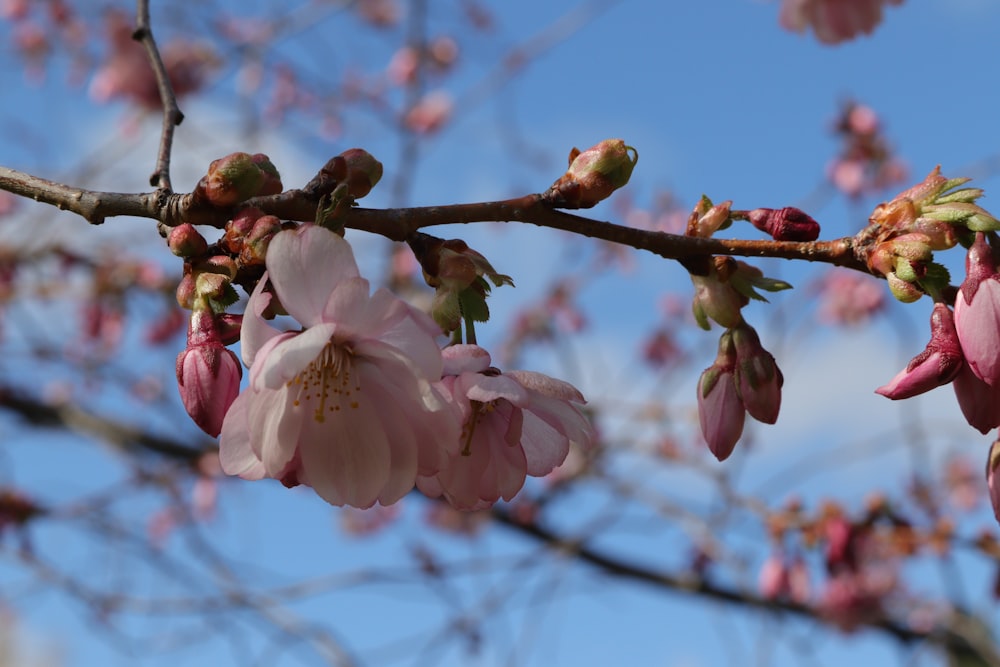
column 960, row 637
column 172, row 116
column 399, row 224
column 47, row 415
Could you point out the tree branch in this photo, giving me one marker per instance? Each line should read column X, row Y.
column 172, row 116
column 960, row 637
column 399, row 224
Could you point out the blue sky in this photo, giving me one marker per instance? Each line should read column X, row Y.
column 718, row 100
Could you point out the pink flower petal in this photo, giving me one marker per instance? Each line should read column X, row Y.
column 293, row 354
column 235, row 454
column 255, row 331
column 460, row 359
column 347, row 456
column 305, row 265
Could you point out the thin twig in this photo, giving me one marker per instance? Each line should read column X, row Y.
column 172, row 116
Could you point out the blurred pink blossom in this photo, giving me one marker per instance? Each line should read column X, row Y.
column 847, row 297
column 430, row 113
column 833, row 21
column 126, row 71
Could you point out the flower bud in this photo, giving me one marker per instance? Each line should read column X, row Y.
column 979, row 402
column 904, row 291
column 185, row 241
column 237, row 228
column 720, row 410
column 937, row 365
column 707, row 219
column 255, row 244
column 363, row 172
column 208, row 375
column 271, row 184
column 186, row 292
column 757, row 376
column 238, row 177
column 977, row 312
column 593, row 174
column 785, row 224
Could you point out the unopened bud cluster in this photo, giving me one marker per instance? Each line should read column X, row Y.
column 745, row 379
column 903, row 234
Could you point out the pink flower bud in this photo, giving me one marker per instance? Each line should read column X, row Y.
column 238, row 228
column 363, row 172
column 185, row 241
column 237, row 177
column 707, row 219
column 977, row 312
column 208, row 375
column 720, row 410
column 785, row 224
column 254, row 250
column 980, row 403
column 593, row 174
column 757, row 376
column 937, row 365
column 186, row 292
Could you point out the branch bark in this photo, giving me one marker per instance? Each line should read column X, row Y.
column 399, row 224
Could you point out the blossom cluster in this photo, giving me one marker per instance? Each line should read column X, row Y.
column 362, row 405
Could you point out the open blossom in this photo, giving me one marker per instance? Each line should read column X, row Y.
column 833, row 21
column 515, row 424
column 345, row 405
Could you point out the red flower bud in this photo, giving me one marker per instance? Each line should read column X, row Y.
column 785, row 224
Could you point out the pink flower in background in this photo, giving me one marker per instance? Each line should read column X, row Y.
column 514, row 424
column 430, row 113
column 848, row 297
column 346, row 405
column 833, row 21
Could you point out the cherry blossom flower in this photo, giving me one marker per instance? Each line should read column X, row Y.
column 833, row 21
column 515, row 424
column 345, row 405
